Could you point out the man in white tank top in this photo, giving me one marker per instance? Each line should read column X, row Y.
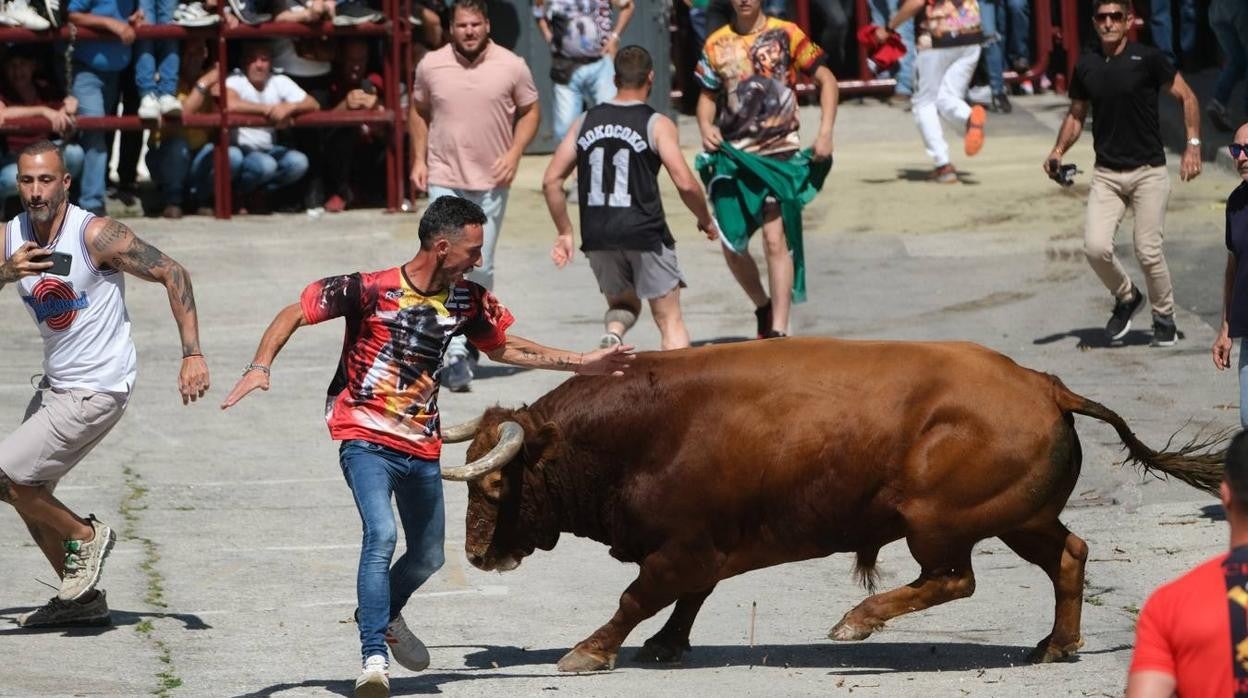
column 67, row 266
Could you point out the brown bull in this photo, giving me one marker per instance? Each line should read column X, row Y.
column 705, row 463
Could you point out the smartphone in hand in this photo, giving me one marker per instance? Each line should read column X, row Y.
column 61, row 263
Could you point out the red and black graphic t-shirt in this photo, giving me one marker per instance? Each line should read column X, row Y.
column 385, row 390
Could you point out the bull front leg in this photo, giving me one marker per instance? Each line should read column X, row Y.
column 669, row 644
column 664, row 578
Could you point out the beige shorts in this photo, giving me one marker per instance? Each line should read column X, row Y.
column 60, row 428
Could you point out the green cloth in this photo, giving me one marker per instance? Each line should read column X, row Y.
column 738, row 182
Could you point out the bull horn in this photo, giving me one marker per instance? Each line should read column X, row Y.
column 463, row 431
column 510, row 439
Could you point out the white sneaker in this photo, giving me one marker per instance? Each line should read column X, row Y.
column 374, row 681
column 405, row 647
column 149, row 108
column 193, row 14
column 6, row 20
column 26, row 16
column 170, row 105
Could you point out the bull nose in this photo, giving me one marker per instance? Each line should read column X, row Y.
column 477, row 561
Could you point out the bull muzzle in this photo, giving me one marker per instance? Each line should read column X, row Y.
column 510, row 439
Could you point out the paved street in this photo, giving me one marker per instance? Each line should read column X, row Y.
column 234, row 570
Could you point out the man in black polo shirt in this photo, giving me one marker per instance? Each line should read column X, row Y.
column 1121, row 81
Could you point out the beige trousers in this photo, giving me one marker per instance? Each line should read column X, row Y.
column 1146, row 190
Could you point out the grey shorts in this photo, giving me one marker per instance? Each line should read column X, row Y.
column 60, row 428
column 651, row 274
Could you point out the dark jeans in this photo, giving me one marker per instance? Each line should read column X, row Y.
column 377, row 474
column 359, row 163
column 181, row 174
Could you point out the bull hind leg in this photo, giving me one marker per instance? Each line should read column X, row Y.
column 1062, row 555
column 946, row 575
column 672, row 641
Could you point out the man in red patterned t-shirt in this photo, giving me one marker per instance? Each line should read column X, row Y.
column 383, row 404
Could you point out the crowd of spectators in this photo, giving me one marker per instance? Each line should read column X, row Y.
column 271, row 167
column 287, row 169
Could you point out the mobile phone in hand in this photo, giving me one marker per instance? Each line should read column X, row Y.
column 61, row 263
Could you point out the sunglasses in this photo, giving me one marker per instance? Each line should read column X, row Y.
column 1238, row 149
column 1115, row 17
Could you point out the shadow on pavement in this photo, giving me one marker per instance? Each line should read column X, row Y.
column 119, row 619
column 399, row 685
column 1094, row 338
column 841, row 658
column 912, row 175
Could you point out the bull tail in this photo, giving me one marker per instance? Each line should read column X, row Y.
column 1196, row 462
column 864, row 569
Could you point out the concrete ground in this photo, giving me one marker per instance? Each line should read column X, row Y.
column 235, row 565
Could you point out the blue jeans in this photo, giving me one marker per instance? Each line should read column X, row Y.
column 1161, row 25
column 374, row 473
column 992, row 18
column 593, row 82
column 179, row 174
column 271, row 169
column 881, row 10
column 148, row 52
column 1019, row 33
column 96, row 93
column 1229, row 21
column 71, row 153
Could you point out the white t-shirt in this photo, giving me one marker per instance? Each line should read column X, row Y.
column 278, row 90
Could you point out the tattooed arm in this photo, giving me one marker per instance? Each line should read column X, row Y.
column 114, row 246
column 519, row 351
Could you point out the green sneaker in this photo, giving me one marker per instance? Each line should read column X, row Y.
column 84, row 560
column 58, row 614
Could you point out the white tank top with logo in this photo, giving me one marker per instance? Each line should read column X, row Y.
column 82, row 317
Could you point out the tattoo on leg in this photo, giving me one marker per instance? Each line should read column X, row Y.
column 6, row 492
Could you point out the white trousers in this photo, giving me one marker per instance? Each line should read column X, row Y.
column 944, row 75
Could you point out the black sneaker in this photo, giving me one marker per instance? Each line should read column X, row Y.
column 246, row 15
column 349, row 14
column 773, row 334
column 1120, row 321
column 763, row 314
column 1165, row 333
column 1001, row 104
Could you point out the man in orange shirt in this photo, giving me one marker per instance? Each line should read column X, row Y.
column 1192, row 638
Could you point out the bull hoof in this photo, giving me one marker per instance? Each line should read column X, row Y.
column 660, row 651
column 582, row 660
column 846, row 631
column 1047, row 651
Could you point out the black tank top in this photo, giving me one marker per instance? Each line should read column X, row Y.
column 617, row 181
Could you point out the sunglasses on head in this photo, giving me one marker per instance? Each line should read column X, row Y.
column 1238, row 149
column 1115, row 17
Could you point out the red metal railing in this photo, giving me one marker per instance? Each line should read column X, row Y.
column 396, row 27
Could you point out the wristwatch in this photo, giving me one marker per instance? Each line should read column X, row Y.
column 1194, row 142
column 202, row 88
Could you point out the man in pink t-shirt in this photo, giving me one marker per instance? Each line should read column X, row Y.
column 474, row 111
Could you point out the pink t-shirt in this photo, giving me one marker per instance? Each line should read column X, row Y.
column 473, row 112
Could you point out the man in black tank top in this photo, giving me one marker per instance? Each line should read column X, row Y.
column 617, row 150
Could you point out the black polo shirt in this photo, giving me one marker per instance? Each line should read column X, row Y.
column 1123, row 90
column 1237, row 244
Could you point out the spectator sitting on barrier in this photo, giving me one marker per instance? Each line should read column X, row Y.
column 260, row 161
column 96, row 69
column 180, row 158
column 156, row 65
column 25, row 92
column 358, row 152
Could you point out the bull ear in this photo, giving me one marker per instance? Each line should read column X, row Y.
column 550, row 440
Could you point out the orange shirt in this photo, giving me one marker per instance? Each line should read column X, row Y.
column 1185, row 631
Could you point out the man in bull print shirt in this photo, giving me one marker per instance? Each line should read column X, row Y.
column 383, row 406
